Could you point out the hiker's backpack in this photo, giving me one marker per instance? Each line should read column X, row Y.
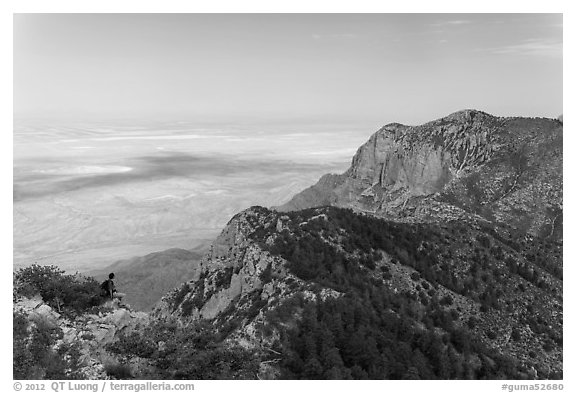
column 104, row 291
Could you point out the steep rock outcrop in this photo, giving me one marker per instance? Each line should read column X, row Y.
column 240, row 282
column 468, row 165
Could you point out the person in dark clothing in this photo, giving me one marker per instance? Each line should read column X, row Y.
column 109, row 290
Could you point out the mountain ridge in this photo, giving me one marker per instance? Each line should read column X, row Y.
column 255, row 284
column 402, row 172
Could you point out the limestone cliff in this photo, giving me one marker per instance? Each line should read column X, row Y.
column 240, row 282
column 466, row 165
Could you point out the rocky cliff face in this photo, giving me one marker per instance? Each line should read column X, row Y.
column 468, row 165
column 240, row 282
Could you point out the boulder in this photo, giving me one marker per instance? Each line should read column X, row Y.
column 29, row 304
column 104, row 335
column 70, row 334
column 45, row 314
column 47, row 311
column 267, row 291
column 119, row 318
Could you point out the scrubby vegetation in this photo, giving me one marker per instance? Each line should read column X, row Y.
column 66, row 293
column 192, row 352
column 33, row 353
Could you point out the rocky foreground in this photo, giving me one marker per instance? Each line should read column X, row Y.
column 88, row 334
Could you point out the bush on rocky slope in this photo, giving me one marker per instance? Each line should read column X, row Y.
column 34, row 356
column 35, row 353
column 194, row 351
column 64, row 292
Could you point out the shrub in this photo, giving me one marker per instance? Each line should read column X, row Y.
column 34, row 356
column 447, row 300
column 369, row 261
column 118, row 370
column 187, row 307
column 19, row 325
column 133, row 344
column 472, row 322
column 179, row 295
column 87, row 336
column 223, row 277
column 285, row 310
column 484, row 241
column 197, row 300
column 266, row 274
column 454, row 314
column 195, row 352
column 66, row 293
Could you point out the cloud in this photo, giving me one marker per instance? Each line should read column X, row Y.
column 159, row 167
column 146, row 137
column 532, row 47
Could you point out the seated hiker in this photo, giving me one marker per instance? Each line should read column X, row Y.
column 109, row 290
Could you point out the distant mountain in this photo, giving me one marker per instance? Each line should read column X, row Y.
column 145, row 279
column 468, row 165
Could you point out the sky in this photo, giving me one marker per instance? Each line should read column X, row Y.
column 408, row 68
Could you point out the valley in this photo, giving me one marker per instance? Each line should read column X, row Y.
column 87, row 195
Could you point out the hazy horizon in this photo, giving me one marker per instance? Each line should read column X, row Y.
column 376, row 68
